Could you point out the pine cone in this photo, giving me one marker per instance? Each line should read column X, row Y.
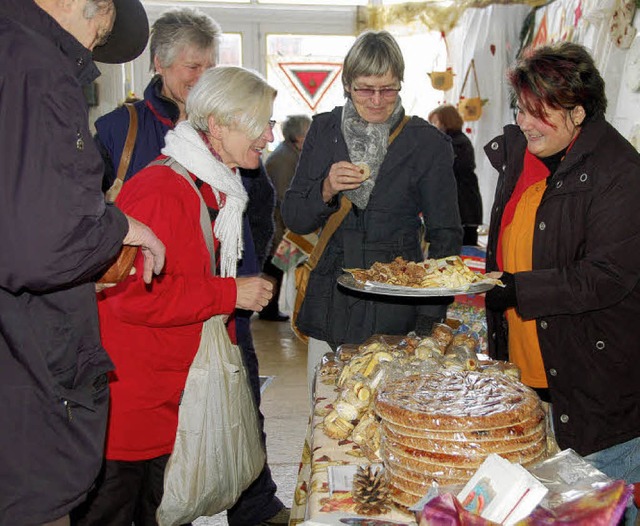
column 370, row 491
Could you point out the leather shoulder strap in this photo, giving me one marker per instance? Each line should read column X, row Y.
column 129, row 142
column 338, row 216
column 399, row 128
column 328, row 230
column 127, row 153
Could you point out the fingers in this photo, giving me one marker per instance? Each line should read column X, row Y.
column 153, row 249
column 343, row 176
column 253, row 293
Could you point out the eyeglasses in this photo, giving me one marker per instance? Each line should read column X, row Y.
column 367, row 93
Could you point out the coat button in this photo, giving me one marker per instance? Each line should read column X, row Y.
column 553, row 372
column 79, row 62
column 495, row 145
column 542, row 225
column 564, row 418
column 559, row 184
column 583, row 178
column 543, row 324
column 600, row 345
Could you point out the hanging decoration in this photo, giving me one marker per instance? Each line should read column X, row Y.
column 621, row 29
column 541, row 36
column 470, row 108
column 309, row 79
column 442, row 80
column 577, row 14
column 436, row 15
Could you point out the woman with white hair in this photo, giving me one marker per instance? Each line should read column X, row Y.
column 152, row 333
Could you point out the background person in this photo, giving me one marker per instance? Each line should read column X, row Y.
column 184, row 43
column 153, row 335
column 281, row 166
column 57, row 235
column 447, row 119
column 565, row 234
column 411, row 176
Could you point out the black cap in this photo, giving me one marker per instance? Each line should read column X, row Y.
column 129, row 35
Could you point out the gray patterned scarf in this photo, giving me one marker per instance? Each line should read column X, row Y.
column 367, row 142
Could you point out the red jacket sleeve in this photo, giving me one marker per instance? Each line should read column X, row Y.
column 185, row 292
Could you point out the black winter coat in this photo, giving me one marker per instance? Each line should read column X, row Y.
column 415, row 177
column 464, row 166
column 56, row 235
column 584, row 290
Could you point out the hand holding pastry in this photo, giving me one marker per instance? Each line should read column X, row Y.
column 343, row 176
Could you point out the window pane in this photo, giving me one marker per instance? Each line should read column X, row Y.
column 230, row 50
column 289, row 56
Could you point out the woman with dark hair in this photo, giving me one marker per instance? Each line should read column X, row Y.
column 447, row 119
column 565, row 240
column 410, row 176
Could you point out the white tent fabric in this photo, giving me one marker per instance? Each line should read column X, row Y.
column 473, row 38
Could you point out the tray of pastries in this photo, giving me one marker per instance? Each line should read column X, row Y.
column 431, row 277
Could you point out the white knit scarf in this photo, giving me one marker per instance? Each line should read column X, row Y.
column 185, row 145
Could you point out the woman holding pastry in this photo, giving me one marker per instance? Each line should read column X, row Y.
column 565, row 240
column 392, row 169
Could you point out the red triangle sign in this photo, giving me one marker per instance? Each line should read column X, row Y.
column 311, row 80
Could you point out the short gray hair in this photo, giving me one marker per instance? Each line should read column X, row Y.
column 179, row 28
column 295, row 126
column 235, row 97
column 374, row 53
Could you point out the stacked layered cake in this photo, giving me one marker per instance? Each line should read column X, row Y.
column 440, row 427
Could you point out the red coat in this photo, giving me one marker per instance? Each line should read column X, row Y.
column 152, row 332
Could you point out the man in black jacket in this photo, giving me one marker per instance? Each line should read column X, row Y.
column 57, row 236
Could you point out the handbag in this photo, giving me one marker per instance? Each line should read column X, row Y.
column 303, row 271
column 442, row 80
column 218, row 451
column 470, row 108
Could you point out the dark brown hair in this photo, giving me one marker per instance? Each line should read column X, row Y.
column 559, row 76
column 449, row 118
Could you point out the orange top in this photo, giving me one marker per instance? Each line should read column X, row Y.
column 517, row 250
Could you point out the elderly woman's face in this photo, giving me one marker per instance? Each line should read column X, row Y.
column 178, row 78
column 237, row 149
column 548, row 138
column 375, row 96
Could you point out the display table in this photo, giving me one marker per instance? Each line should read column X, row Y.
column 312, row 499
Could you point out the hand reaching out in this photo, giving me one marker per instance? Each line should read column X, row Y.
column 253, row 293
column 152, row 248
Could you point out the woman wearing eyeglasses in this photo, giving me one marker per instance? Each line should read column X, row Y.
column 193, row 198
column 410, row 177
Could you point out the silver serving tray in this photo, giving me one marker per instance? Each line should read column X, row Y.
column 348, row 281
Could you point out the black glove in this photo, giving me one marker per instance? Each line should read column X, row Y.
column 425, row 323
column 501, row 298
